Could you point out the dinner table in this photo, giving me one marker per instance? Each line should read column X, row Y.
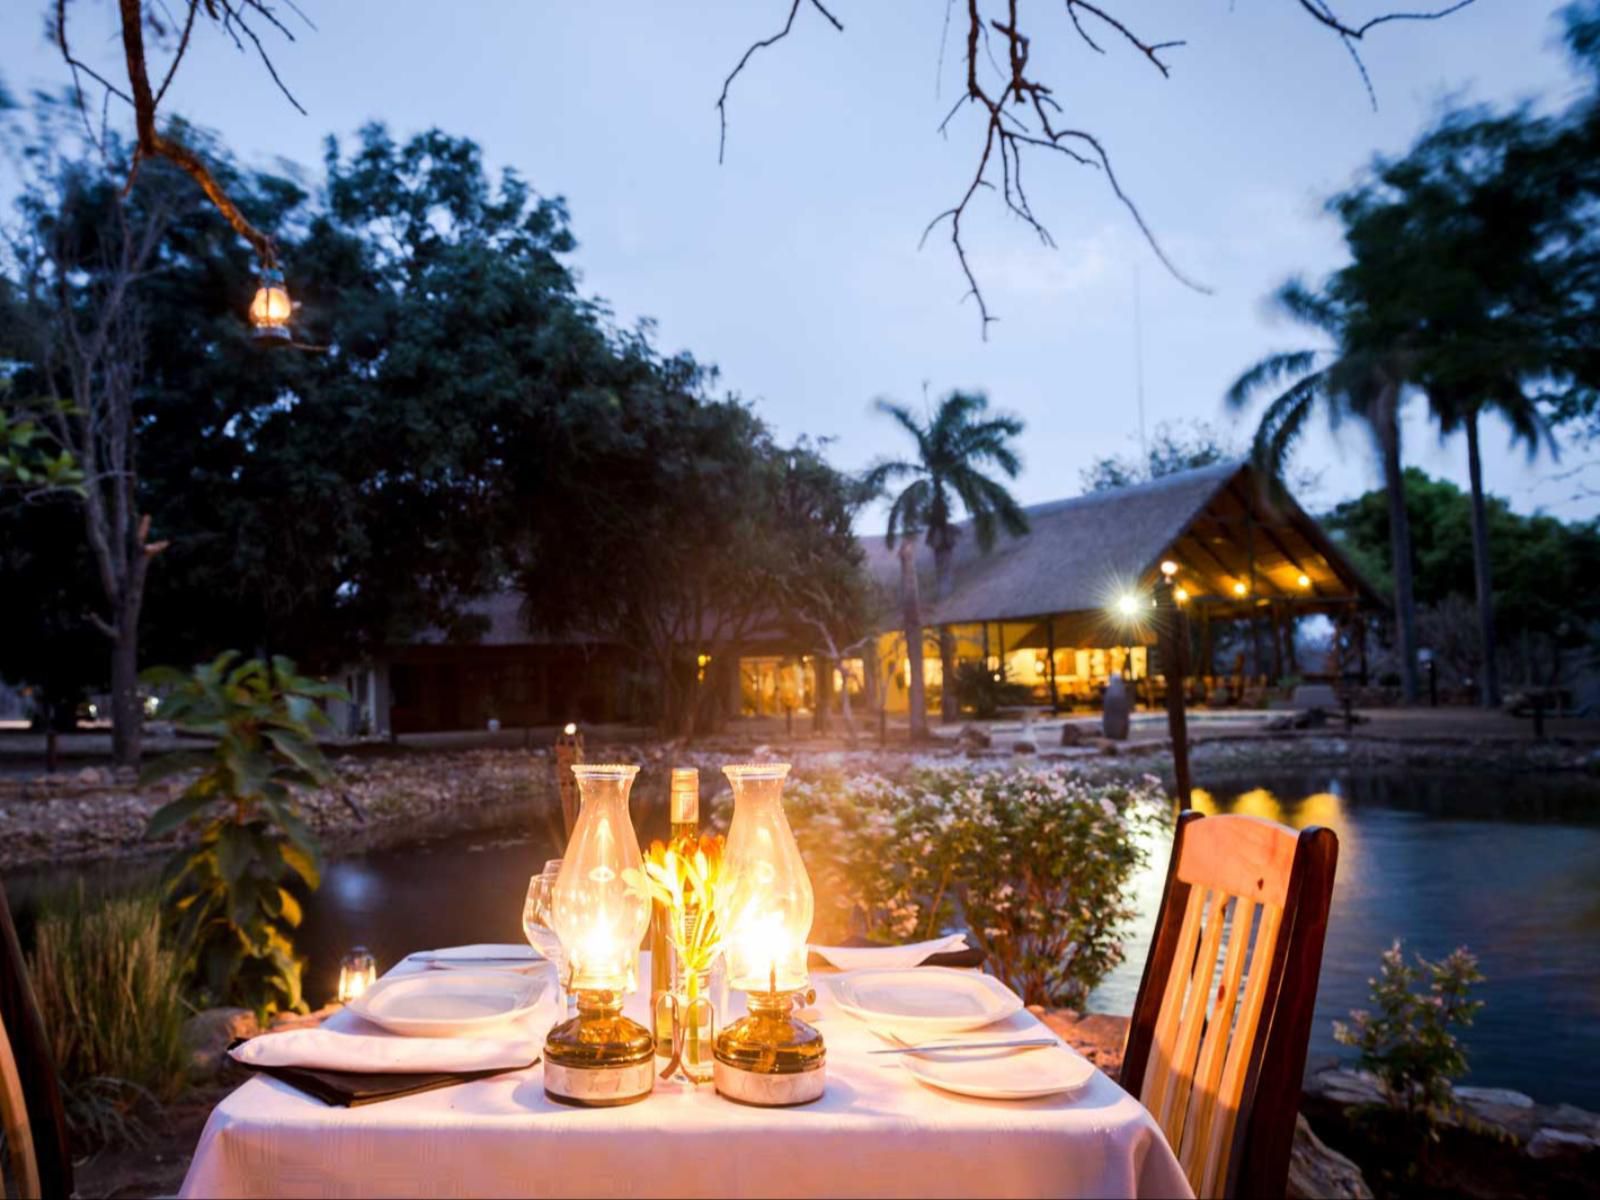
column 876, row 1131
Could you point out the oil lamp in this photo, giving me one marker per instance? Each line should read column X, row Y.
column 600, row 1057
column 270, row 310
column 769, row 1057
column 357, row 972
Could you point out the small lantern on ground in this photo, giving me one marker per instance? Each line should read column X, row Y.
column 358, row 971
column 271, row 309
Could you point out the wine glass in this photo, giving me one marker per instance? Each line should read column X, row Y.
column 537, row 916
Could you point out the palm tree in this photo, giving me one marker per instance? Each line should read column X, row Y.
column 1361, row 376
column 1460, row 412
column 953, row 449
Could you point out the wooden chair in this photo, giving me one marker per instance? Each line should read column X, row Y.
column 36, row 1160
column 1216, row 1049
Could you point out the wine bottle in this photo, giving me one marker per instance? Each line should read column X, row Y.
column 683, row 813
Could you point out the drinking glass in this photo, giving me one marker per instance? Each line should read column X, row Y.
column 536, row 918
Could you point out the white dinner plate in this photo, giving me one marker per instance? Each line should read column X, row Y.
column 448, row 1003
column 1002, row 1074
column 921, row 1002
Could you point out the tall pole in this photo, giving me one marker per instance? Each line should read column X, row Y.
column 569, row 750
column 1174, row 635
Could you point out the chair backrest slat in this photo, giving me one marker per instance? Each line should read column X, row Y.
column 1208, row 1036
column 14, row 1124
column 1219, row 1028
column 1164, row 1047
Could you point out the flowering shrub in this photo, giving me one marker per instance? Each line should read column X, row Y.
column 1409, row 1044
column 1035, row 863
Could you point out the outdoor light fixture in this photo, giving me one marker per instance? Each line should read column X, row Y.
column 1180, row 593
column 1169, row 568
column 1304, row 580
column 271, row 309
column 1241, row 589
column 357, row 972
column 1128, row 604
column 770, row 1057
column 569, row 729
column 600, row 1057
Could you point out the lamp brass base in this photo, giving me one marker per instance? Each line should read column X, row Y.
column 769, row 1091
column 599, row 1087
column 599, row 1058
column 770, row 1058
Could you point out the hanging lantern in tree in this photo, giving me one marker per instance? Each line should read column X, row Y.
column 271, row 309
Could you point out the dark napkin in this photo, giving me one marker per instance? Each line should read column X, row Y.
column 969, row 957
column 351, row 1089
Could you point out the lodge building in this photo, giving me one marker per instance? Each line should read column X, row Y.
column 1054, row 612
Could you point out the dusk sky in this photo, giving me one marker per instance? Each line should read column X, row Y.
column 795, row 265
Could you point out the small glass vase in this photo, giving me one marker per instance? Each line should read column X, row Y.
column 687, row 1009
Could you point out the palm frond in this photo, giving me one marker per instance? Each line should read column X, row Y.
column 1270, row 372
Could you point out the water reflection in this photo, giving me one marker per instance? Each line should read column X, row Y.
column 1508, row 866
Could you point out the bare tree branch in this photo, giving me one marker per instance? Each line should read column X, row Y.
column 722, row 100
column 1019, row 111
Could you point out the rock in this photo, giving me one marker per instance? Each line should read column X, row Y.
column 1561, row 1143
column 1022, row 746
column 1473, row 1097
column 92, row 777
column 293, row 1020
column 1071, row 735
column 1316, row 1170
column 975, row 737
column 1099, row 1037
column 1344, row 1086
column 1279, row 724
column 210, row 1032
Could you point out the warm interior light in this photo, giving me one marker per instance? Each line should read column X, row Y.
column 271, row 309
column 1304, row 580
column 1239, row 589
column 1180, row 594
column 1169, row 568
column 357, row 972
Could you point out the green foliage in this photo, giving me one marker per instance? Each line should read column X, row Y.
column 1034, row 864
column 27, row 463
column 109, row 991
column 983, row 692
column 956, row 448
column 231, row 894
column 1174, row 446
column 1409, row 1039
column 1547, row 572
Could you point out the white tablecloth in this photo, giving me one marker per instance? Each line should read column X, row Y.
column 877, row 1132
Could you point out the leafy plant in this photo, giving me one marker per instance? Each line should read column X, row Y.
column 1035, row 864
column 1409, row 1042
column 110, row 993
column 983, row 692
column 230, row 895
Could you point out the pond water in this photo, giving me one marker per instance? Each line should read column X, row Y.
column 1509, row 867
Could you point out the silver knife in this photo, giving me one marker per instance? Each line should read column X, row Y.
column 1018, row 1044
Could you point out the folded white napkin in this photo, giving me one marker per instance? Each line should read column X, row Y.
column 479, row 951
column 329, row 1050
column 892, row 958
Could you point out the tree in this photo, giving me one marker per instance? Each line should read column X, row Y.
column 1546, row 593
column 1364, row 375
column 1017, row 111
column 84, row 250
column 1175, row 446
column 955, row 448
column 826, row 596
